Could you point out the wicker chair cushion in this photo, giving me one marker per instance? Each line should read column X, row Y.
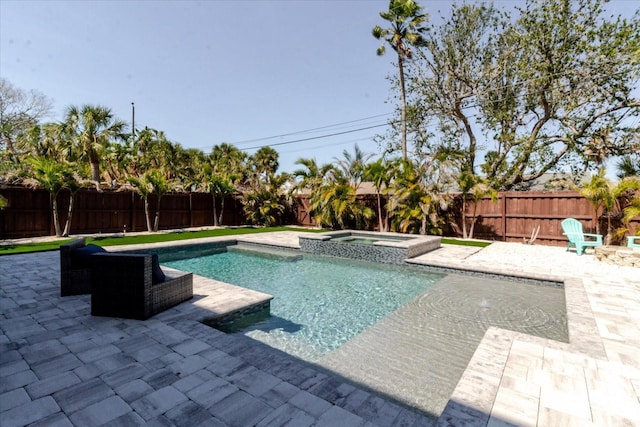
column 157, row 275
column 80, row 256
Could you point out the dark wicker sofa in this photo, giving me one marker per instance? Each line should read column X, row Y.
column 122, row 286
column 74, row 279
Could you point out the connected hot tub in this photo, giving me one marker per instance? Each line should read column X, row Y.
column 389, row 248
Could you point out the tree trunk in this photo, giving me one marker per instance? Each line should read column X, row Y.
column 56, row 220
column 156, row 221
column 381, row 226
column 473, row 219
column 464, row 216
column 146, row 214
column 95, row 170
column 67, row 226
column 215, row 211
column 221, row 211
column 403, row 106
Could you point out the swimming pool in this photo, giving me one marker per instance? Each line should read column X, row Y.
column 319, row 303
column 413, row 349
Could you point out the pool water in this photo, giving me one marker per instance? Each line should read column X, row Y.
column 319, row 302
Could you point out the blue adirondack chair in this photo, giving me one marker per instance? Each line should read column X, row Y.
column 573, row 230
column 633, row 241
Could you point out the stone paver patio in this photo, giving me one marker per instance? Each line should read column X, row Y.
column 61, row 366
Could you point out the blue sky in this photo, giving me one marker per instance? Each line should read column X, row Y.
column 207, row 72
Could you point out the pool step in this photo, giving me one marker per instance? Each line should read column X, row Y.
column 265, row 251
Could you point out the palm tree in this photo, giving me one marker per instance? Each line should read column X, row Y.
column 120, row 160
column 633, row 210
column 161, row 186
column 74, row 184
column 612, row 198
column 219, row 185
column 266, row 204
column 151, row 182
column 415, row 202
column 49, row 140
column 94, row 127
column 378, row 173
column 154, row 151
column 309, row 180
column 406, row 19
column 312, row 176
column 143, row 188
column 53, row 176
column 335, row 204
column 631, row 191
column 265, row 163
column 229, row 158
column 353, row 166
column 229, row 161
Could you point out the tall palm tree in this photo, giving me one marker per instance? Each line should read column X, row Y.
column 94, row 127
column 406, row 27
column 228, row 160
column 265, row 162
column 228, row 157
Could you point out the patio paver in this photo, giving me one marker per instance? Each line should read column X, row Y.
column 58, row 364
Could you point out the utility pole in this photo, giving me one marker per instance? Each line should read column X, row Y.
column 133, row 123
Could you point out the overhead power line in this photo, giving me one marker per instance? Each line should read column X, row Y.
column 317, row 137
column 309, row 130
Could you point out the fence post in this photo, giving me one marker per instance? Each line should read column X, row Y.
column 132, row 205
column 190, row 209
column 504, row 216
column 52, row 230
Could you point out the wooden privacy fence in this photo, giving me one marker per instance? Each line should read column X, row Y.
column 512, row 218
column 29, row 213
column 517, row 213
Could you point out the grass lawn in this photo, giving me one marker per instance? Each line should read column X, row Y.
column 146, row 238
column 12, row 249
column 475, row 243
